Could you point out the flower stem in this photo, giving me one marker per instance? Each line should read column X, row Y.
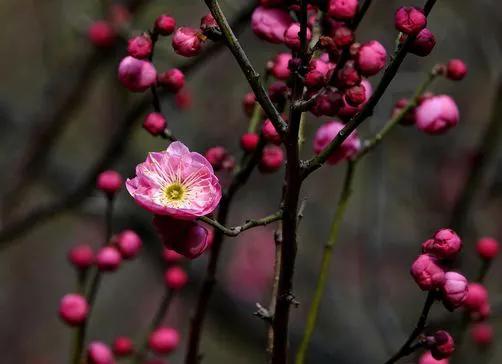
column 92, row 292
column 155, row 323
column 326, row 259
column 408, row 346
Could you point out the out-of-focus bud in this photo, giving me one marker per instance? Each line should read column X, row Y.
column 437, row 114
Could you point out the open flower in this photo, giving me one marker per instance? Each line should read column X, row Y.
column 176, row 182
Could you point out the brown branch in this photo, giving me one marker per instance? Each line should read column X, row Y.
column 249, row 71
column 486, row 150
column 112, row 152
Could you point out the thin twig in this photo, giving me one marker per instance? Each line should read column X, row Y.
column 408, row 347
column 249, row 224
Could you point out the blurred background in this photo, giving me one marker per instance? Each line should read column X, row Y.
column 63, row 117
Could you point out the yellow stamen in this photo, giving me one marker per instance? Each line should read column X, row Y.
column 174, row 192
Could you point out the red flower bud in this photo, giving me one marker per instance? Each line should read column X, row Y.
column 280, row 66
column 423, row 44
column 482, row 334
column 442, row 345
column 410, row 20
column 175, row 278
column 456, row 69
column 444, row 244
column 165, row 24
column 123, row 346
column 140, row 47
column 128, row 243
column 155, row 123
column 173, row 80
column 109, row 182
column 187, row 42
column 371, row 58
column 164, row 340
column 101, row 34
column 216, row 156
column 108, row 259
column 487, row 248
column 427, row 272
column 99, row 353
column 73, row 309
column 342, row 9
column 137, row 75
column 249, row 141
column 81, row 256
column 477, row 297
column 270, row 133
column 272, row 159
column 248, row 103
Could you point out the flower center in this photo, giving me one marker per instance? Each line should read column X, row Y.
column 174, row 192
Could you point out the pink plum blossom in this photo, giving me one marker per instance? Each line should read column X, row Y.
column 177, row 183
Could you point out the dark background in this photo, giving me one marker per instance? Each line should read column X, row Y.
column 404, row 191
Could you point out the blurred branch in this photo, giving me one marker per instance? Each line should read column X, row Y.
column 112, row 151
column 485, row 153
column 64, row 96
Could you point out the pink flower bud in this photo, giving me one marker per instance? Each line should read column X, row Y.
column 101, row 34
column 487, row 248
column 155, row 123
column 327, row 132
column 175, row 278
column 314, row 80
column 137, row 75
column 73, row 309
column 410, row 20
column 342, row 9
column 477, row 297
column 280, row 66
column 348, row 76
column 456, row 69
column 272, row 159
column 119, row 15
column 186, row 237
column 409, row 117
column 292, row 36
column 454, row 290
column 427, row 272
column 128, row 243
column 173, row 80
column 171, row 257
column 123, row 346
column 343, row 37
column 437, row 114
column 248, row 103
column 371, row 58
column 99, row 353
column 484, row 312
column 423, row 44
column 108, row 259
column 208, row 22
column 165, row 24
column 81, row 256
column 249, row 141
column 356, row 95
column 426, row 358
column 444, row 244
column 164, row 340
column 216, row 156
column 482, row 334
column 140, row 47
column 270, row 23
column 183, row 99
column 109, row 182
column 187, row 42
column 441, row 345
column 270, row 133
